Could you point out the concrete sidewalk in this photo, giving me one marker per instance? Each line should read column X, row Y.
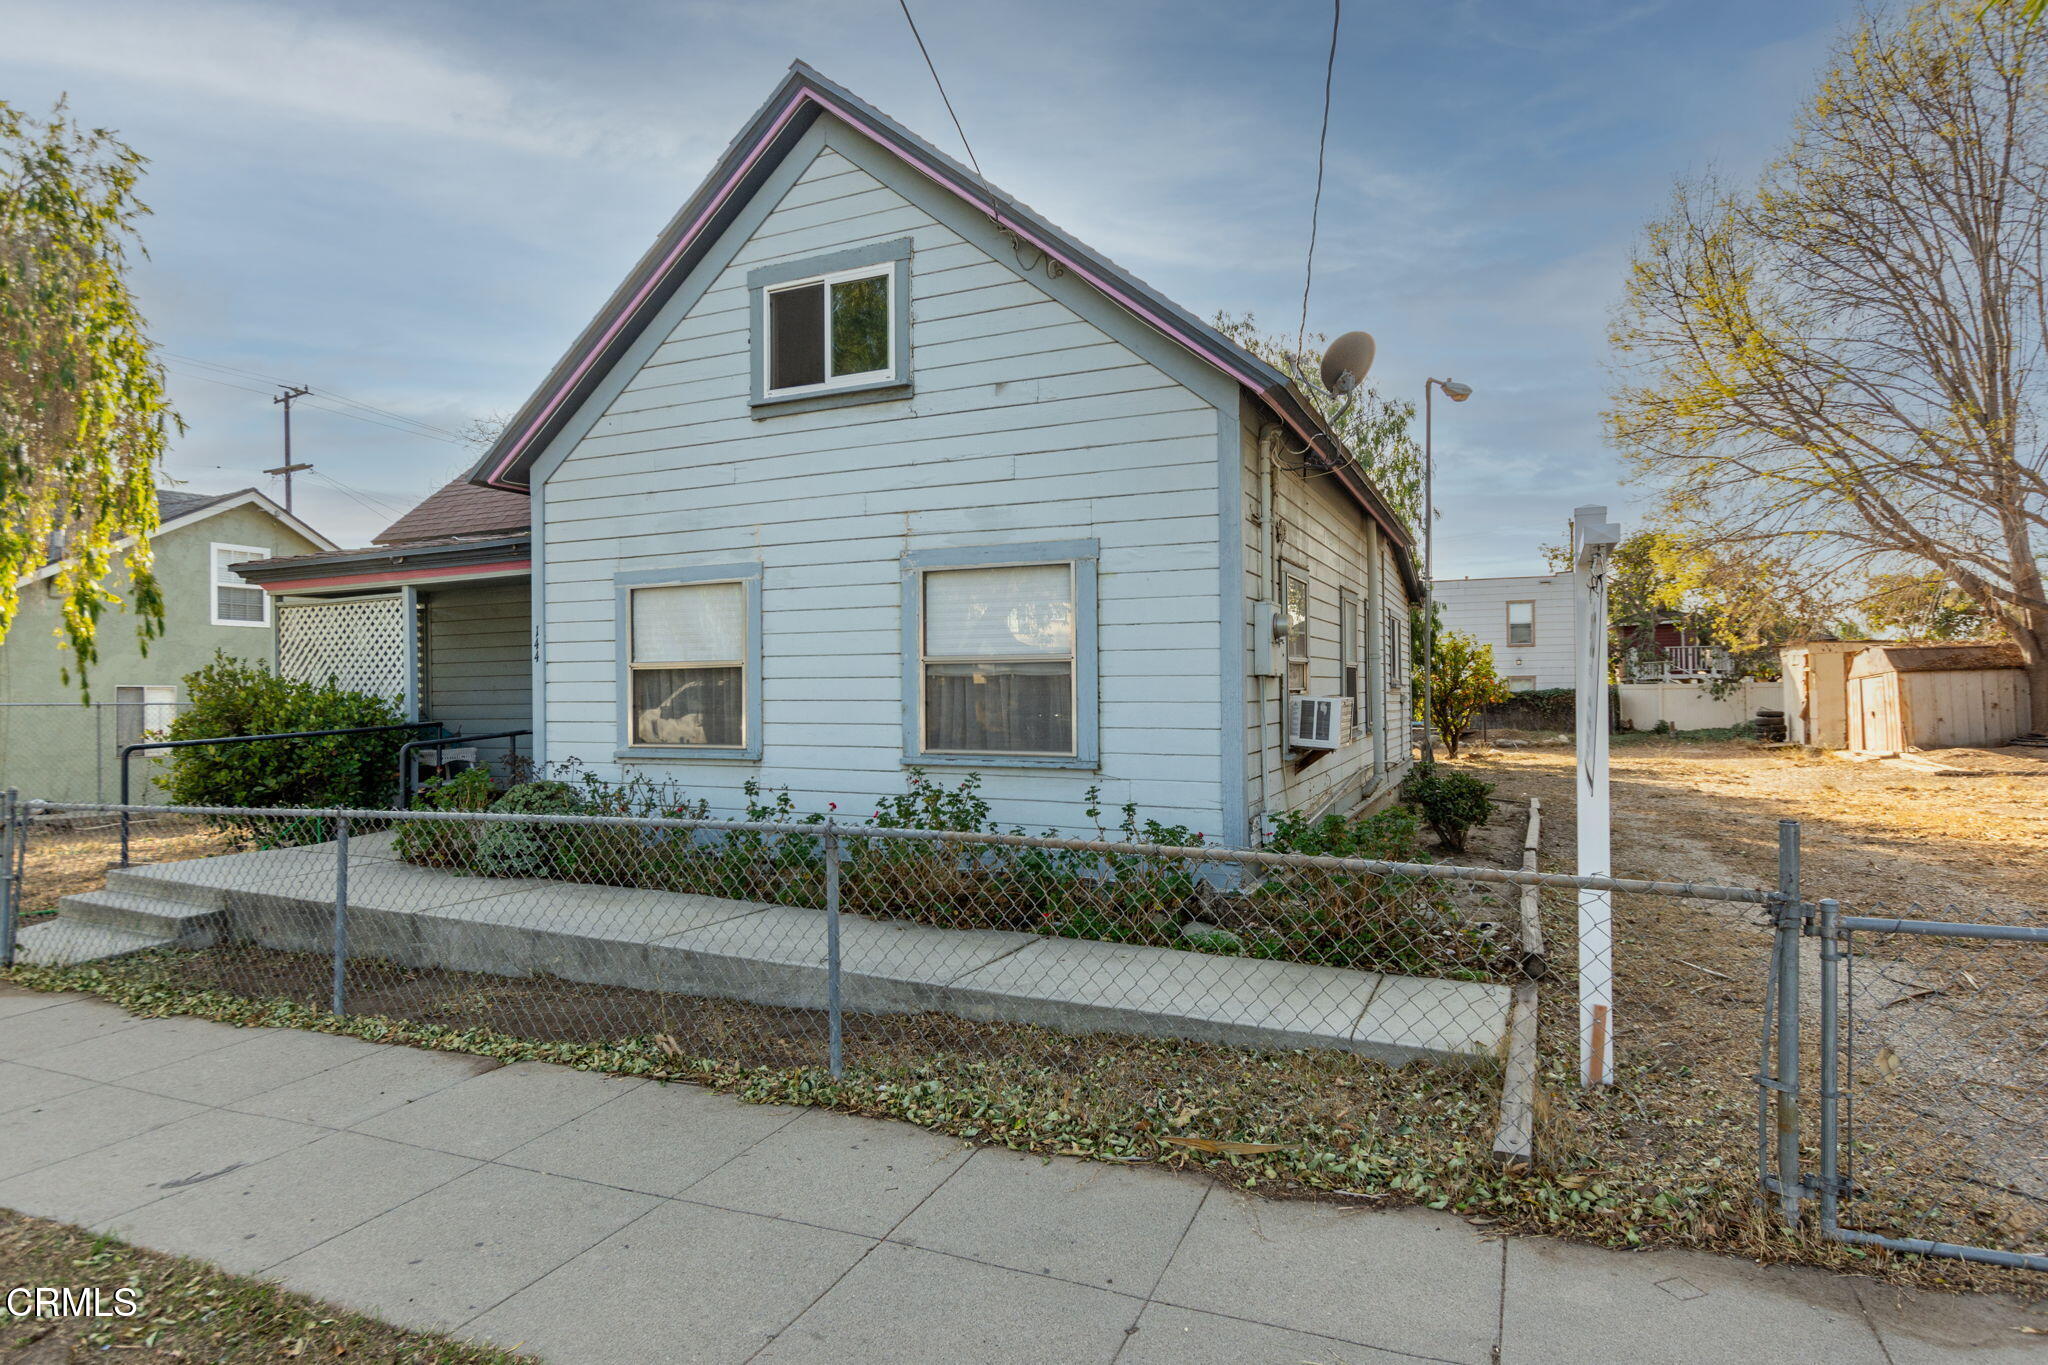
column 587, row 1218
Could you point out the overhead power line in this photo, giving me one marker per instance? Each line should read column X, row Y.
column 1316, row 210
column 967, row 146
column 423, row 427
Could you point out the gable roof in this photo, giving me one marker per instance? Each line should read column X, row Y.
column 177, row 510
column 460, row 508
column 172, row 504
column 802, row 97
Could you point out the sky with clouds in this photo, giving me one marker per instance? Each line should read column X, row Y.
column 416, row 206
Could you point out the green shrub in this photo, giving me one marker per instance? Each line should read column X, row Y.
column 1450, row 803
column 444, row 843
column 1393, row 835
column 510, row 850
column 239, row 697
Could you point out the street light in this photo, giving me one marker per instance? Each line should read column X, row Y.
column 1457, row 392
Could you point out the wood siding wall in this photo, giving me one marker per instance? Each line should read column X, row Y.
column 1479, row 608
column 478, row 661
column 1323, row 534
column 1030, row 422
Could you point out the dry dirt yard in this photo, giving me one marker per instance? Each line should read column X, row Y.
column 1962, row 827
column 1946, row 1140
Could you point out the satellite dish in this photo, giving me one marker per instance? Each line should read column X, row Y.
column 1346, row 362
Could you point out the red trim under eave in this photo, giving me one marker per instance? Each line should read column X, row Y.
column 400, row 575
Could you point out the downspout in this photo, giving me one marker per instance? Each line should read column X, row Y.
column 1269, row 584
column 1376, row 662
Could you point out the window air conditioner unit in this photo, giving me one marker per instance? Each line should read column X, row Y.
column 1315, row 722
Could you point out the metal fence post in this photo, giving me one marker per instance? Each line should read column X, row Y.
column 1790, row 920
column 833, row 1011
column 1830, row 1061
column 340, row 1000
column 10, row 889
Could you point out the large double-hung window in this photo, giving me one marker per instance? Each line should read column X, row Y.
column 999, row 655
column 691, row 662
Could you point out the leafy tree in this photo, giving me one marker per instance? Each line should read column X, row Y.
column 1747, row 602
column 1375, row 429
column 84, row 418
column 1844, row 367
column 1462, row 684
column 1922, row 606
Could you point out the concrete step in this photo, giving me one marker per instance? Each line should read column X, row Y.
column 188, row 925
column 189, row 883
column 62, row 943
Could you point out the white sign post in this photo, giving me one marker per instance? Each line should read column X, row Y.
column 1593, row 539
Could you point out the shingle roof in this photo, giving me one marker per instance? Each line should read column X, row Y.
column 172, row 503
column 460, row 508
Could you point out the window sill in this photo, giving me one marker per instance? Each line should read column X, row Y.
column 875, row 391
column 639, row 755
column 1070, row 764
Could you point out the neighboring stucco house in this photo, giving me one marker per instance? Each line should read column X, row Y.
column 53, row 747
column 1527, row 620
column 867, row 467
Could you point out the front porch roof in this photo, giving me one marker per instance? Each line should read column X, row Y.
column 455, row 559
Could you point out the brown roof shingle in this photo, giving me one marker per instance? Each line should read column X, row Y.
column 460, row 508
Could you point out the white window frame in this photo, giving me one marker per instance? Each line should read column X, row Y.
column 748, row 682
column 886, row 272
column 1508, row 632
column 214, row 585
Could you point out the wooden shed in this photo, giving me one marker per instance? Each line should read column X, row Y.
column 1935, row 696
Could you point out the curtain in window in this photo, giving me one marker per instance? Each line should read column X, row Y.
column 689, row 665
column 999, row 660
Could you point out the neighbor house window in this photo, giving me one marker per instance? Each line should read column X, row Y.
column 1521, row 623
column 236, row 601
column 1390, row 651
column 1295, row 600
column 1351, row 652
column 142, row 712
column 1000, row 656
column 690, row 660
column 1521, row 684
column 832, row 324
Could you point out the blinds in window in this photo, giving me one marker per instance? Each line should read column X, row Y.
column 692, row 623
column 1021, row 612
column 233, row 598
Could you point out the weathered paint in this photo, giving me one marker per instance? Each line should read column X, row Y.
column 1321, row 535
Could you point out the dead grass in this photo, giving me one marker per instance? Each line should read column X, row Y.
column 64, row 858
column 189, row 1311
column 1690, row 977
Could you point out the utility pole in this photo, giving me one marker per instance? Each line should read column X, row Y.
column 286, row 469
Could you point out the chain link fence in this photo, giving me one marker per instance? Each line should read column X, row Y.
column 1934, row 1092
column 780, row 943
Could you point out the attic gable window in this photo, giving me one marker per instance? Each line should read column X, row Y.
column 236, row 601
column 832, row 329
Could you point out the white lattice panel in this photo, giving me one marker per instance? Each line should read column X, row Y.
column 360, row 642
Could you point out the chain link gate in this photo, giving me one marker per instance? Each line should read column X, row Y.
column 1931, row 1094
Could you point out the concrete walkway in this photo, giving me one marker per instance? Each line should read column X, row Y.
column 770, row 954
column 586, row 1218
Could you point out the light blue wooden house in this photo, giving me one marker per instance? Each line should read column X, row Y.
column 866, row 467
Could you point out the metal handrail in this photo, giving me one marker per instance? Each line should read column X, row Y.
column 128, row 749
column 405, row 753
